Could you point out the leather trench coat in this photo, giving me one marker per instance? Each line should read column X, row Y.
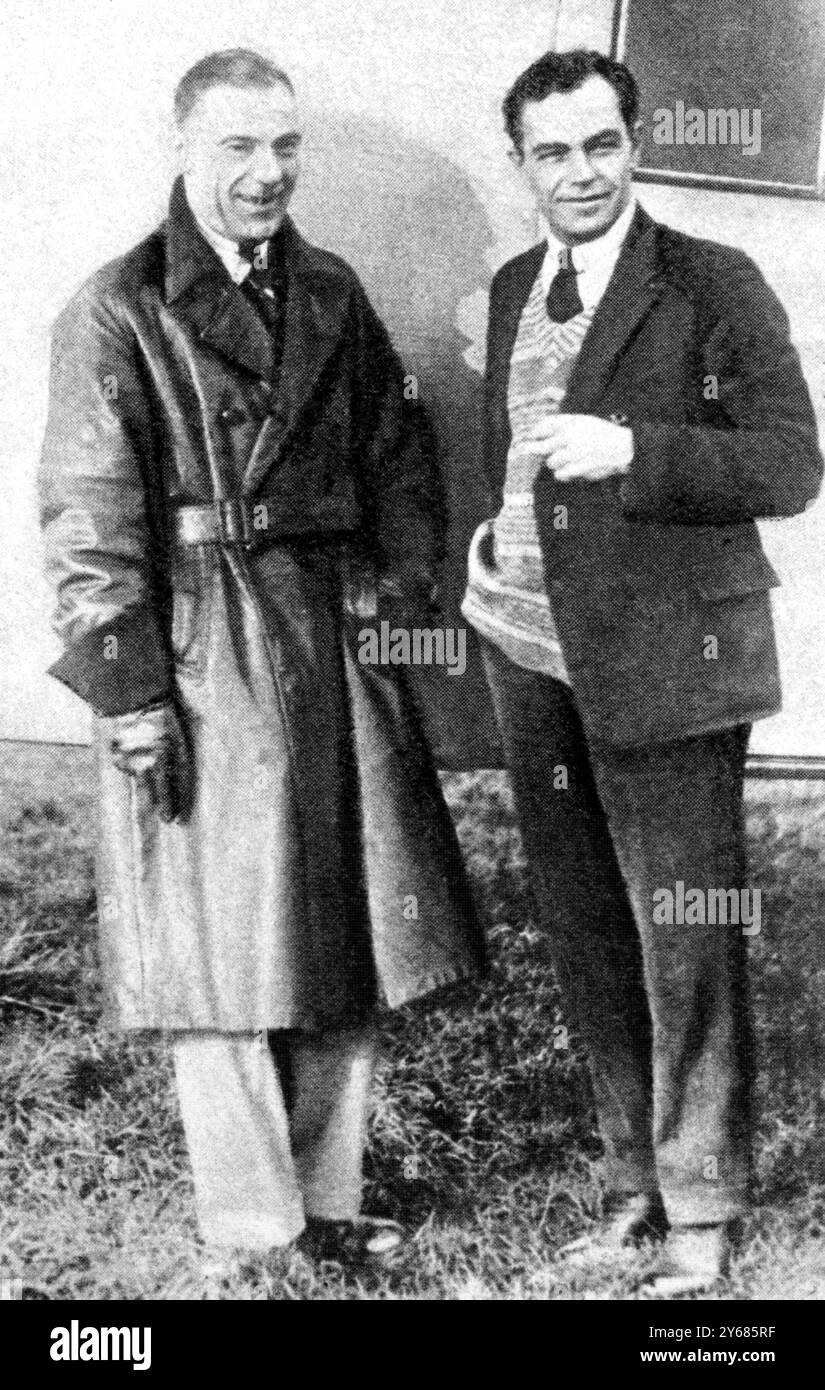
column 317, row 869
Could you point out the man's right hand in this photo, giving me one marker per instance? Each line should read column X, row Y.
column 151, row 744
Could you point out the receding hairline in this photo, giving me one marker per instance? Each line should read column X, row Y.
column 241, row 68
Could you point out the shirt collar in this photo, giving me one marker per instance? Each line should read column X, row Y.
column 600, row 254
column 237, row 266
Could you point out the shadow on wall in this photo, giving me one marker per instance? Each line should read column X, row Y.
column 411, row 224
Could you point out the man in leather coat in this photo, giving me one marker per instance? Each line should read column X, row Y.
column 235, row 465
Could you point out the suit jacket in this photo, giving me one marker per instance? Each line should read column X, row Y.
column 690, row 348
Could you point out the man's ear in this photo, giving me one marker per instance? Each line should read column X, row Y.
column 516, row 155
column 180, row 146
column 636, row 140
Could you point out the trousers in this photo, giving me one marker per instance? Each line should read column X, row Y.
column 275, row 1127
column 660, row 1004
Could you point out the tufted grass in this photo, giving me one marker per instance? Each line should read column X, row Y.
column 482, row 1136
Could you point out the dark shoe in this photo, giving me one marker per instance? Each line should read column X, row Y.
column 695, row 1259
column 630, row 1222
column 366, row 1241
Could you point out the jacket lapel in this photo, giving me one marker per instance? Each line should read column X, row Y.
column 507, row 323
column 634, row 287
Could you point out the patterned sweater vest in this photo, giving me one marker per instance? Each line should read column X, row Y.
column 506, row 599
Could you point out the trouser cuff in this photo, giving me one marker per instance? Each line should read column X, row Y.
column 247, row 1231
column 698, row 1207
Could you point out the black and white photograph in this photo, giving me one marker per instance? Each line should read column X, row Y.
column 412, row 662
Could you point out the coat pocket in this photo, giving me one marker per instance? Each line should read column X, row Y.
column 191, row 610
column 735, row 576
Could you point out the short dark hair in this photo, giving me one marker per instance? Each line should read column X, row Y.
column 564, row 72
column 231, row 67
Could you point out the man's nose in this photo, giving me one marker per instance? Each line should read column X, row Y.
column 579, row 167
column 267, row 167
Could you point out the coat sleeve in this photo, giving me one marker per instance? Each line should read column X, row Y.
column 398, row 459
column 101, row 560
column 756, row 454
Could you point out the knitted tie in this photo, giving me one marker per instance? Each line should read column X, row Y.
column 563, row 300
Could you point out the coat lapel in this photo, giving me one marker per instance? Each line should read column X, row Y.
column 231, row 327
column 314, row 324
column 634, row 287
column 199, row 291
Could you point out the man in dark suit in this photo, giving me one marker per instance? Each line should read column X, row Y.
column 643, row 405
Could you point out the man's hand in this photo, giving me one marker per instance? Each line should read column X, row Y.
column 410, row 595
column 409, row 582
column 582, row 448
column 150, row 744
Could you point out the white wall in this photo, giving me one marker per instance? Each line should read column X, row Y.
column 406, row 175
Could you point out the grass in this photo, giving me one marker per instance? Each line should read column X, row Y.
column 482, row 1135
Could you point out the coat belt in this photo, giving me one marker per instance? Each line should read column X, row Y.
column 244, row 521
column 226, row 521
column 252, row 521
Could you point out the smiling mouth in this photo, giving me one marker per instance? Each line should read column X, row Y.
column 589, row 198
column 260, row 204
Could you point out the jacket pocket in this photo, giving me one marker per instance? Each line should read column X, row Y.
column 735, row 576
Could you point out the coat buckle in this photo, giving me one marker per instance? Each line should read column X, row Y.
column 233, row 522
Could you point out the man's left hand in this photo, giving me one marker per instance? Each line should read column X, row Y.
column 582, row 448
column 409, row 581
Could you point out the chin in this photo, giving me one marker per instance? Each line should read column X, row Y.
column 588, row 228
column 597, row 226
column 244, row 225
column 263, row 227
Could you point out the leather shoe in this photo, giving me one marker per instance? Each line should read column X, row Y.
column 631, row 1221
column 368, row 1240
column 695, row 1260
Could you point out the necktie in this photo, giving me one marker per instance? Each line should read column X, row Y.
column 265, row 286
column 563, row 300
column 257, row 256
